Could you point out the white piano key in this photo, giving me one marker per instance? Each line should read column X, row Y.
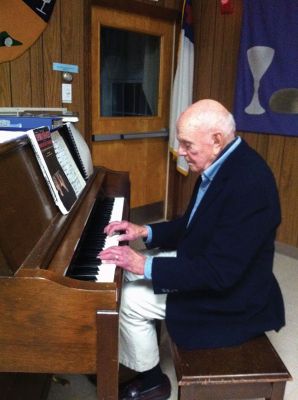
column 117, row 211
column 107, row 271
column 116, row 215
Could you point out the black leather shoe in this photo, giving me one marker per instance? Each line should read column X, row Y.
column 134, row 390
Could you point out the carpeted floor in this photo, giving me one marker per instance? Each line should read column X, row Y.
column 78, row 387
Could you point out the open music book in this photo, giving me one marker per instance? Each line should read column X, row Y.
column 58, row 167
column 67, row 162
column 78, row 148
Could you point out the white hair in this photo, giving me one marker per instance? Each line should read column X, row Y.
column 212, row 120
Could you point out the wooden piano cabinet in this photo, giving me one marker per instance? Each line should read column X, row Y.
column 51, row 323
column 49, row 326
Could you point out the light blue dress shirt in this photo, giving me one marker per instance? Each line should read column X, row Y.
column 207, row 177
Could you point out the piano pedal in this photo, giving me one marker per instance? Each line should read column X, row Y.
column 60, row 381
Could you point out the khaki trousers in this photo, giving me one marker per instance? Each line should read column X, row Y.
column 140, row 307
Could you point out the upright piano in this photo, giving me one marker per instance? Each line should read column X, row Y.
column 52, row 321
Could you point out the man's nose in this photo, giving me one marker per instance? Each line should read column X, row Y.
column 181, row 151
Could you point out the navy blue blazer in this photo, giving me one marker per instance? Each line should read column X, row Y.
column 221, row 288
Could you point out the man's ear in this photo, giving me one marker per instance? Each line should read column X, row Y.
column 218, row 142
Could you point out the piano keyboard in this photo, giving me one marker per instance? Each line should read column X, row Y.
column 85, row 265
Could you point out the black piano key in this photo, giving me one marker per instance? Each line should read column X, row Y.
column 85, row 271
column 91, row 254
column 84, row 277
column 92, row 265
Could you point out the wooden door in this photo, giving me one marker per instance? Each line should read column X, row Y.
column 134, row 143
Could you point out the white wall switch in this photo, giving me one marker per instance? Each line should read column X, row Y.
column 66, row 93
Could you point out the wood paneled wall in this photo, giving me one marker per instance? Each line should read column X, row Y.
column 217, row 39
column 29, row 81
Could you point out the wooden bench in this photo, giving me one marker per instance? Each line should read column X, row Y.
column 252, row 370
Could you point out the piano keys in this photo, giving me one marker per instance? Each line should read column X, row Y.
column 51, row 322
column 85, row 264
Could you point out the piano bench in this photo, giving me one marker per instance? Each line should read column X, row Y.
column 251, row 370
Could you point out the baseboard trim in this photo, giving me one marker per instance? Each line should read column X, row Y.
column 287, row 250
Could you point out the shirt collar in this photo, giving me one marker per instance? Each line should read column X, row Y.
column 211, row 171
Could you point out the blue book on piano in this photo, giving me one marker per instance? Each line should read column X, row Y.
column 24, row 123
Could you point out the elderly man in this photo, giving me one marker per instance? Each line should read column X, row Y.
column 219, row 288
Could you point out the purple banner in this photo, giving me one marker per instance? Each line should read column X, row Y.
column 266, row 98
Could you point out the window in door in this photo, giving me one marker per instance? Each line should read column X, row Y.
column 131, row 72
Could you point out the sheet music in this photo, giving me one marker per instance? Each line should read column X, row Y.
column 67, row 163
column 82, row 147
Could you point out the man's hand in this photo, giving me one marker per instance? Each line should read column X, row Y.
column 124, row 257
column 130, row 231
